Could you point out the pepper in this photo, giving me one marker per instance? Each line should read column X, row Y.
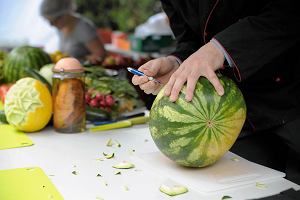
column 3, row 91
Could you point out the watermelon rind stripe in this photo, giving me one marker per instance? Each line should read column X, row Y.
column 199, row 132
column 24, row 56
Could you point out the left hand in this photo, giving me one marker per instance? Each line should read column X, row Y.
column 204, row 62
column 94, row 59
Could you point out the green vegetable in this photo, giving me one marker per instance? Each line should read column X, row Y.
column 118, row 144
column 104, row 183
column 95, row 71
column 46, row 72
column 117, row 172
column 174, row 190
column 2, row 117
column 235, row 159
column 93, row 114
column 35, row 74
column 109, row 95
column 109, row 143
column 226, row 197
column 124, row 165
column 108, row 156
column 260, row 185
column 106, row 85
column 75, row 172
column 198, row 133
column 125, row 188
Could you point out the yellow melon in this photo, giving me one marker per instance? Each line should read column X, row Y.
column 28, row 105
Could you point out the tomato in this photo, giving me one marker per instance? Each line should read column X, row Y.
column 3, row 91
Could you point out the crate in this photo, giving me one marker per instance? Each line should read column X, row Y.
column 153, row 43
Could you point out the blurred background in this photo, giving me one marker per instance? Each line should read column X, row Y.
column 105, row 36
column 22, row 23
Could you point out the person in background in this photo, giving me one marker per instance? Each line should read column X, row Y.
column 77, row 35
column 256, row 43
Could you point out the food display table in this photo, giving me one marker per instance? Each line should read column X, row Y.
column 77, row 167
column 133, row 54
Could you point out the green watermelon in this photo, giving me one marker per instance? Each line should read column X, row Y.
column 3, row 55
column 198, row 133
column 24, row 56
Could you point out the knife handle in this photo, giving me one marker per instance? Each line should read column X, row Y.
column 115, row 125
column 139, row 120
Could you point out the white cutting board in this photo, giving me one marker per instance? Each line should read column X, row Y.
column 230, row 171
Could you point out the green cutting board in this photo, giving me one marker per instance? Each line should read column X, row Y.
column 27, row 184
column 11, row 138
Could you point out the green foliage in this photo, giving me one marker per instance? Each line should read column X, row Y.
column 124, row 94
column 123, row 15
column 108, row 85
column 3, row 55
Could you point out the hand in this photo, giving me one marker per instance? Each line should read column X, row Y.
column 161, row 69
column 203, row 62
column 94, row 59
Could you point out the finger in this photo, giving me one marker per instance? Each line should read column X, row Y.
column 212, row 77
column 169, row 86
column 149, row 87
column 137, row 80
column 155, row 92
column 191, row 84
column 150, row 68
column 177, row 88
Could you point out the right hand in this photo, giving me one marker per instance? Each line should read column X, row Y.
column 160, row 69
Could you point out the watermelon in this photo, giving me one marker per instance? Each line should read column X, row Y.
column 24, row 56
column 198, row 133
column 1, row 70
column 3, row 55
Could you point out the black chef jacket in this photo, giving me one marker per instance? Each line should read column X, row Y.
column 262, row 37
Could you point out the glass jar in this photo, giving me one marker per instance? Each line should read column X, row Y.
column 68, row 96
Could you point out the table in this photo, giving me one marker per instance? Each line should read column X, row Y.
column 132, row 54
column 61, row 154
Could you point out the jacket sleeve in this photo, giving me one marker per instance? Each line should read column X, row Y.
column 255, row 41
column 187, row 41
